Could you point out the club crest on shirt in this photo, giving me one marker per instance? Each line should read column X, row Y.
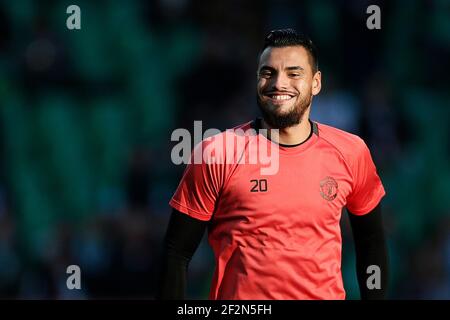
column 328, row 188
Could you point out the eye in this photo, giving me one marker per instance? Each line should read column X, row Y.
column 295, row 75
column 265, row 74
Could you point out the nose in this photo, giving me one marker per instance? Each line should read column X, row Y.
column 279, row 82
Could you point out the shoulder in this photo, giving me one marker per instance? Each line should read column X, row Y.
column 220, row 143
column 349, row 145
column 219, row 136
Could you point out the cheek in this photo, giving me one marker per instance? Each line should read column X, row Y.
column 261, row 86
column 261, row 83
column 304, row 87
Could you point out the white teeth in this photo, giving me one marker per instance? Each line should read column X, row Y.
column 281, row 97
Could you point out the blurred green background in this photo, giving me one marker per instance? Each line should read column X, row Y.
column 86, row 118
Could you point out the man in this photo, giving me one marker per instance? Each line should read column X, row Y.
column 278, row 236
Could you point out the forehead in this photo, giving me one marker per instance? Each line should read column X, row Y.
column 284, row 57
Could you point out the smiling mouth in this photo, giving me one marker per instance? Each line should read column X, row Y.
column 278, row 97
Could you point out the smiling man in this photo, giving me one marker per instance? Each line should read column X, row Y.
column 278, row 236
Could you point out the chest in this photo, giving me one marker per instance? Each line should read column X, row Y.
column 307, row 190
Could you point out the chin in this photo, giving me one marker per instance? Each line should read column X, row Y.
column 282, row 109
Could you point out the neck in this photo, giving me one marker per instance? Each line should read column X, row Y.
column 292, row 135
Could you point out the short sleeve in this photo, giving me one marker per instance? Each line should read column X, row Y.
column 199, row 187
column 367, row 188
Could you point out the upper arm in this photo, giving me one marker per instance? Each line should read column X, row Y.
column 200, row 185
column 184, row 233
column 367, row 189
column 367, row 225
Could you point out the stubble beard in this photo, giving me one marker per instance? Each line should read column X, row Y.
column 277, row 120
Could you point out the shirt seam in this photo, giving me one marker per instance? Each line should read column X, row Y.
column 207, row 215
column 343, row 158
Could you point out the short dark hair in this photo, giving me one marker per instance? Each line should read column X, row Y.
column 289, row 37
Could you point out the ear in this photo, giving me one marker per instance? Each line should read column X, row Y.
column 316, row 83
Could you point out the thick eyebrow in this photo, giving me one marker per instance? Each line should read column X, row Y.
column 265, row 67
column 293, row 68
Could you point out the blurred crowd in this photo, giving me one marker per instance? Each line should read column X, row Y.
column 86, row 118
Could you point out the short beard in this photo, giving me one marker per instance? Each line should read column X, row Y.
column 285, row 120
